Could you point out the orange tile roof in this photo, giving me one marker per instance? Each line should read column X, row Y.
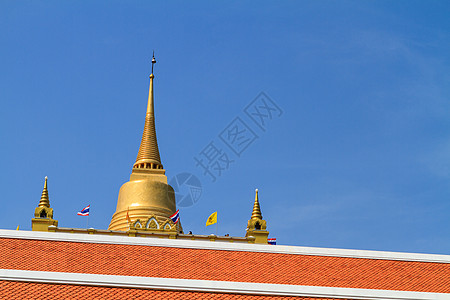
column 28, row 290
column 153, row 261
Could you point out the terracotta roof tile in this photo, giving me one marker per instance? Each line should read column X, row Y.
column 28, row 290
column 152, row 261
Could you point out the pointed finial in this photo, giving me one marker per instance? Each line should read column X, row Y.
column 45, row 202
column 256, row 214
column 153, row 60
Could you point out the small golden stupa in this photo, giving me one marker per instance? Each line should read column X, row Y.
column 43, row 214
column 256, row 226
column 146, row 200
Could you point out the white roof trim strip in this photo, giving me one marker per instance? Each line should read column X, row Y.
column 212, row 286
column 228, row 246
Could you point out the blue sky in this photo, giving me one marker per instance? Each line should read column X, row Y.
column 359, row 157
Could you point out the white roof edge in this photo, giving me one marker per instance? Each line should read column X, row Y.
column 227, row 246
column 213, row 286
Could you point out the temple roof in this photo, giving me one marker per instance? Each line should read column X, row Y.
column 229, row 267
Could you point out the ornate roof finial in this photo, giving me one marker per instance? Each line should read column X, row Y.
column 153, row 60
column 256, row 226
column 148, row 155
column 256, row 214
column 43, row 214
column 45, row 202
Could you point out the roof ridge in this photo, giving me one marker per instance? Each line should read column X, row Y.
column 224, row 246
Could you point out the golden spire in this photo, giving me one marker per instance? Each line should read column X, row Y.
column 256, row 214
column 43, row 214
column 45, row 202
column 256, row 226
column 148, row 155
column 147, row 195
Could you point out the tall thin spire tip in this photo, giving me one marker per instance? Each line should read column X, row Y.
column 148, row 155
column 153, row 60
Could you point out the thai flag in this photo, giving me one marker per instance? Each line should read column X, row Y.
column 175, row 217
column 84, row 211
column 272, row 241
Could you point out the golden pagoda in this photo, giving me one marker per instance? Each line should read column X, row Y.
column 147, row 201
column 256, row 226
column 43, row 214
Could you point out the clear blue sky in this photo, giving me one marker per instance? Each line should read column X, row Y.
column 359, row 158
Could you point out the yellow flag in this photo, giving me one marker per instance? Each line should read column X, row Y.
column 17, row 227
column 212, row 219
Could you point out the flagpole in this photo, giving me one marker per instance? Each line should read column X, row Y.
column 87, row 222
